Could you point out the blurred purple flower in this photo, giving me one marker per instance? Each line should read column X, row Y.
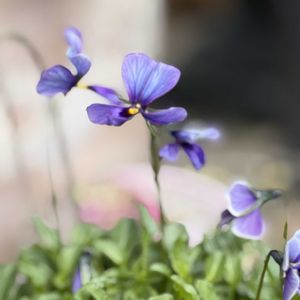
column 244, row 210
column 77, row 282
column 59, row 79
column 291, row 267
column 145, row 81
column 186, row 139
column 83, row 272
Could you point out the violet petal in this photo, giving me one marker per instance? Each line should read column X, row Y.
column 250, row 226
column 184, row 136
column 195, row 154
column 146, row 79
column 241, row 198
column 82, row 64
column 107, row 114
column 166, row 116
column 77, row 282
column 291, row 252
column 169, row 151
column 191, row 135
column 54, row 80
column 107, row 93
column 73, row 38
column 291, row 284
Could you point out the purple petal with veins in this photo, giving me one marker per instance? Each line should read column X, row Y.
column 291, row 284
column 146, row 79
column 292, row 252
column 195, row 154
column 107, row 93
column 103, row 114
column 54, row 80
column 166, row 116
column 241, row 198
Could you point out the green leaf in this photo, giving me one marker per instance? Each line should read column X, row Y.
column 232, row 269
column 162, row 297
column 206, row 290
column 67, row 260
column 214, row 266
column 37, row 267
column 109, row 249
column 7, row 278
column 184, row 290
column 49, row 237
column 183, row 257
column 84, row 234
column 99, row 286
column 91, row 290
column 173, row 232
column 123, row 235
column 149, row 224
column 50, row 296
column 161, row 269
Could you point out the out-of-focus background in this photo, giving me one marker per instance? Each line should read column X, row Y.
column 240, row 63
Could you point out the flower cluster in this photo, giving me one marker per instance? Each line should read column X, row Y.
column 145, row 81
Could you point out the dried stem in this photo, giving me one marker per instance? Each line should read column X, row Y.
column 7, row 103
column 59, row 133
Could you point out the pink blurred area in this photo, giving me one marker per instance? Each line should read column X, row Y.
column 194, row 200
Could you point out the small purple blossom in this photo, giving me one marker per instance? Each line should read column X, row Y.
column 77, row 281
column 83, row 273
column 291, row 267
column 244, row 210
column 59, row 79
column 186, row 140
column 145, row 80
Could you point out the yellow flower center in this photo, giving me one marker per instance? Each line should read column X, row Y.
column 81, row 86
column 134, row 109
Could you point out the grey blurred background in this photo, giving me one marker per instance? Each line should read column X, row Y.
column 240, row 72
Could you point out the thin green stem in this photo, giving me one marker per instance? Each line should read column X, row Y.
column 262, row 276
column 155, row 163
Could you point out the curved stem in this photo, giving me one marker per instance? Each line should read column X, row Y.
column 261, row 280
column 15, row 138
column 40, row 66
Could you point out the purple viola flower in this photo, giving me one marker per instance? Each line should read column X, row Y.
column 83, row 273
column 244, row 210
column 59, row 79
column 186, row 140
column 145, row 80
column 291, row 267
column 77, row 281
